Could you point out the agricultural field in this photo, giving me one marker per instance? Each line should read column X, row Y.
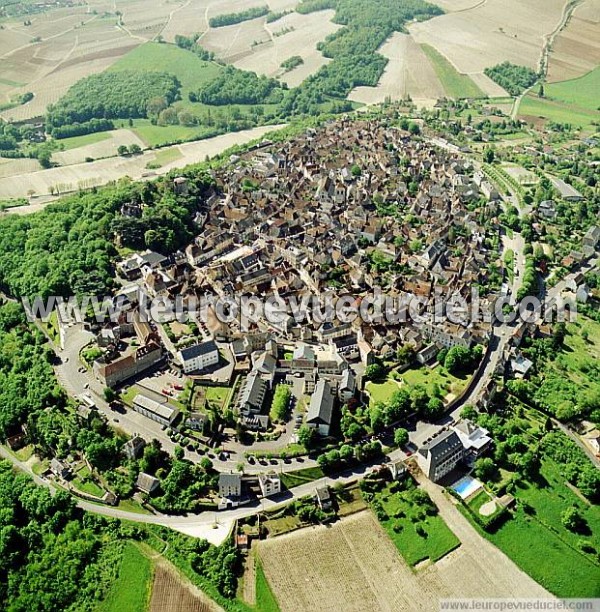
column 172, row 592
column 576, row 49
column 131, row 589
column 100, row 172
column 409, row 72
column 352, row 565
column 538, row 111
column 490, row 33
column 456, row 85
column 582, row 92
column 94, row 146
column 291, row 35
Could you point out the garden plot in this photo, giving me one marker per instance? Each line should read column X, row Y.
column 353, row 566
column 292, row 35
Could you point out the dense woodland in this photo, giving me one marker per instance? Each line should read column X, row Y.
column 112, row 95
column 515, row 79
column 69, row 247
column 234, row 86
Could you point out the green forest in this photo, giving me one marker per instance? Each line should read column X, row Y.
column 232, row 18
column 515, row 79
column 113, row 95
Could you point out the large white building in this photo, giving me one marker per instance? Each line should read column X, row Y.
column 161, row 413
column 199, row 357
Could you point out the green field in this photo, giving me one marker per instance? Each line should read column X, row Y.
column 457, row 85
column 265, row 600
column 541, row 546
column 164, row 157
column 438, row 382
column 299, row 477
column 405, row 517
column 81, row 141
column 583, row 92
column 157, row 135
column 191, row 71
column 381, row 392
column 559, row 112
column 131, row 589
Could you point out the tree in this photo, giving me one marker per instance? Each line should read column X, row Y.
column 178, row 453
column 135, row 149
column 307, row 436
column 375, row 371
column 485, row 469
column 123, row 150
column 468, row 412
column 489, row 155
column 572, row 520
column 346, row 452
column 541, row 91
column 356, row 171
column 401, row 437
column 110, row 395
column 434, row 409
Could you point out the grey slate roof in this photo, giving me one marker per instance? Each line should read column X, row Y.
column 198, row 349
column 321, row 404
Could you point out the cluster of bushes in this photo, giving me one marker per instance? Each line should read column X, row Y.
column 335, row 460
column 234, row 86
column 79, row 129
column 292, row 62
column 513, row 78
column 112, row 95
column 281, row 403
column 190, row 43
column 232, row 18
column 459, row 359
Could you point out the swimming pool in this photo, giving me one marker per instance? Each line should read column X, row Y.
column 466, row 486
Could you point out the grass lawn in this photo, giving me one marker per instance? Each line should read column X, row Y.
column 131, row 590
column 299, row 477
column 405, row 517
column 265, row 600
column 559, row 112
column 216, row 396
column 381, row 392
column 282, row 524
column 157, row 135
column 431, row 379
column 191, row 71
column 81, row 141
column 25, row 453
column 582, row 92
column 457, row 85
column 127, row 396
column 350, row 501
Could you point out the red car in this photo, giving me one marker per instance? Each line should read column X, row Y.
column 167, row 392
column 178, row 387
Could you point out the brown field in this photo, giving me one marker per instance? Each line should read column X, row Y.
column 77, row 42
column 576, row 50
column 408, row 72
column 353, row 566
column 491, row 32
column 98, row 150
column 170, row 592
column 100, row 172
column 307, row 31
column 233, row 42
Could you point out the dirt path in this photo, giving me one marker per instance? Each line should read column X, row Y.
column 249, row 584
